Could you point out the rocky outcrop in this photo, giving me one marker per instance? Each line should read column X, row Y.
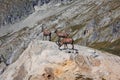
column 74, row 18
column 93, row 23
column 42, row 60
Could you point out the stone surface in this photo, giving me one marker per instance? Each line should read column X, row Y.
column 42, row 60
column 102, row 25
column 12, row 11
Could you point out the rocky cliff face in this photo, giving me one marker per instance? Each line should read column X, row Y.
column 12, row 11
column 93, row 23
column 42, row 60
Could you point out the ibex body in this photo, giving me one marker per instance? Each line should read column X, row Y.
column 61, row 34
column 46, row 33
column 66, row 41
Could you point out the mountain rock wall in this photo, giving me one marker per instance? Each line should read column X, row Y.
column 93, row 23
column 12, row 11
